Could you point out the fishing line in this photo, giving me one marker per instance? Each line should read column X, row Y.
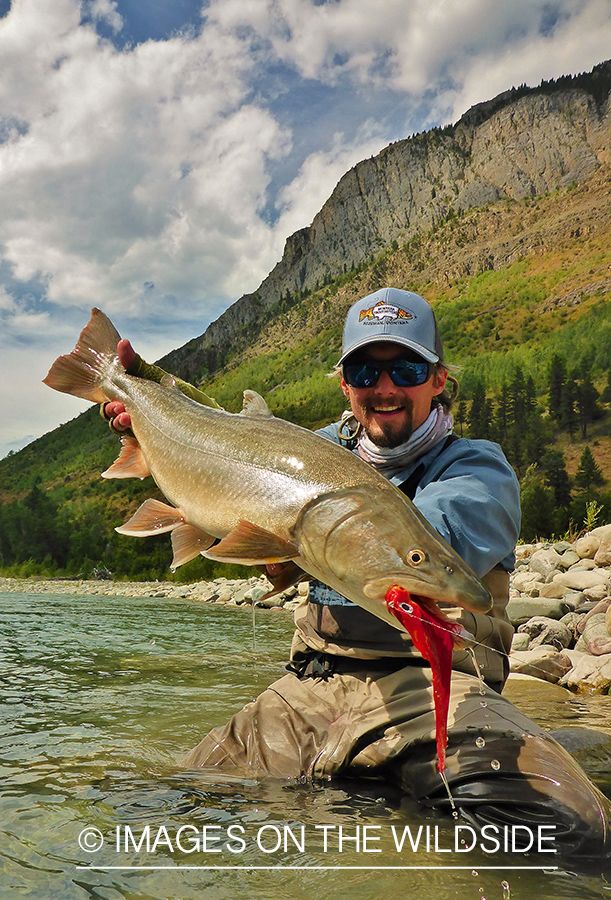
column 254, row 625
column 474, row 643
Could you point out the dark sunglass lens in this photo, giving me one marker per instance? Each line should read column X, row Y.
column 361, row 375
column 405, row 373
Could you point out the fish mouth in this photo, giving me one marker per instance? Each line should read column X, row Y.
column 475, row 599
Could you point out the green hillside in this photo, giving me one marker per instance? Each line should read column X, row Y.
column 519, row 288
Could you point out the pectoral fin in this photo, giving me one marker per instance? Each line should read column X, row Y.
column 153, row 517
column 250, row 545
column 130, row 462
column 291, row 574
column 187, row 543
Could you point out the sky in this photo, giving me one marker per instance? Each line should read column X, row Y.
column 155, row 156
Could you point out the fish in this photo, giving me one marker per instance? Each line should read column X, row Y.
column 434, row 636
column 253, row 489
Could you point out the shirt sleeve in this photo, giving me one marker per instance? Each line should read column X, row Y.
column 471, row 497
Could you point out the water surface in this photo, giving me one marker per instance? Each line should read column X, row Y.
column 103, row 695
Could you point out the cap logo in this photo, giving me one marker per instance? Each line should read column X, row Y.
column 384, row 312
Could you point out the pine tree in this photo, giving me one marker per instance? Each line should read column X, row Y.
column 530, row 395
column 589, row 474
column 500, row 423
column 587, row 403
column 476, row 413
column 568, row 412
column 557, row 379
column 537, row 503
column 557, row 477
column 461, row 414
column 516, row 411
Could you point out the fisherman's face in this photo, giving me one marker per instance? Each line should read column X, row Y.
column 388, row 413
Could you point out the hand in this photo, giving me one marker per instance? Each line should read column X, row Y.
column 114, row 410
column 119, row 419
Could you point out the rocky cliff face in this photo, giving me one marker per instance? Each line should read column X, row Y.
column 511, row 147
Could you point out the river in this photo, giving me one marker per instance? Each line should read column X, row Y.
column 102, row 696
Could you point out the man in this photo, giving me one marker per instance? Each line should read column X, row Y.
column 358, row 696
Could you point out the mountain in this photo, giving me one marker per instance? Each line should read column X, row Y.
column 503, row 221
column 522, row 144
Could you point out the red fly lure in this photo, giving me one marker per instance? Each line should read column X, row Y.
column 434, row 637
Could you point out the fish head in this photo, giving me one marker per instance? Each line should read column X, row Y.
column 364, row 540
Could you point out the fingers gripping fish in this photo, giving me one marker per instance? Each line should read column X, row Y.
column 264, row 490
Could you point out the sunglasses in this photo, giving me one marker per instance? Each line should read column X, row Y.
column 403, row 372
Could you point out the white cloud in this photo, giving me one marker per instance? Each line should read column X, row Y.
column 145, row 179
column 106, row 11
column 142, row 165
column 304, row 196
column 427, row 47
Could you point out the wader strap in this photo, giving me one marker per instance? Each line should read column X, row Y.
column 410, row 485
column 314, row 664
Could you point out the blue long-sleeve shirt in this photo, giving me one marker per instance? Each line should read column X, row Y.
column 470, row 494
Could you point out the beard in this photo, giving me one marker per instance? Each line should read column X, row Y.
column 388, row 435
column 388, row 438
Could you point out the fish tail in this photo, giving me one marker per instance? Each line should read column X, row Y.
column 83, row 371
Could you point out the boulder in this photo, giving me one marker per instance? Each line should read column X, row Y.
column 554, row 590
column 603, row 554
column 571, row 621
column 544, row 662
column 595, row 635
column 586, row 546
column 597, row 594
column 520, row 640
column 521, row 609
column 526, row 580
column 583, row 581
column 589, row 675
column 589, row 747
column 524, row 551
column 569, row 558
column 584, row 565
column 545, row 562
column 543, row 630
column 524, row 690
column 561, row 547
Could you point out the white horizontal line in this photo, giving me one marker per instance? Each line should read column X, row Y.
column 475, row 868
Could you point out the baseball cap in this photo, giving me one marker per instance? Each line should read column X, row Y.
column 390, row 314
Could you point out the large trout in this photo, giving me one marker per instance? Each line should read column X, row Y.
column 269, row 490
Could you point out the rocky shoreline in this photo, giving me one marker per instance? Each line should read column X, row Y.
column 560, row 606
column 231, row 592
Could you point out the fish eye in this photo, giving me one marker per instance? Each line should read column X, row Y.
column 416, row 557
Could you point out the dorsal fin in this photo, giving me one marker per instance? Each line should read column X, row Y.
column 255, row 405
column 169, row 381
